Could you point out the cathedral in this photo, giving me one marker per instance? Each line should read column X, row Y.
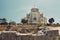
column 36, row 17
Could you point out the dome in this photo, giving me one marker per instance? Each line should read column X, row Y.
column 34, row 9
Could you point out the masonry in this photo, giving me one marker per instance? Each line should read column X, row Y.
column 11, row 35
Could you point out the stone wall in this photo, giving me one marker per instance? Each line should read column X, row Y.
column 8, row 36
column 13, row 36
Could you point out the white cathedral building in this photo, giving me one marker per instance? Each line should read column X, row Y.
column 36, row 17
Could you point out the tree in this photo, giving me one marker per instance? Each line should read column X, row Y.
column 24, row 21
column 12, row 22
column 4, row 19
column 8, row 27
column 51, row 20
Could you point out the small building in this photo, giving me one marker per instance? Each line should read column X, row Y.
column 3, row 21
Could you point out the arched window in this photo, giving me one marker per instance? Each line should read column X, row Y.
column 34, row 18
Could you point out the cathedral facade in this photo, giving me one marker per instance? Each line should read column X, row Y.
column 36, row 17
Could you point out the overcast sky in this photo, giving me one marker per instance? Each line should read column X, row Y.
column 15, row 10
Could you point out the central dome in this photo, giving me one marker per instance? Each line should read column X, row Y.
column 34, row 9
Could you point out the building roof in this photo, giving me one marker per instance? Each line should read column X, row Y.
column 34, row 9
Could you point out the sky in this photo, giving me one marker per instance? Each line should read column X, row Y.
column 15, row 10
